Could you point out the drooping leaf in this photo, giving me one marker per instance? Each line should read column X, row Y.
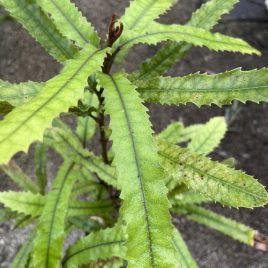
column 141, row 12
column 27, row 123
column 183, row 256
column 201, row 89
column 205, row 17
column 145, row 205
column 13, row 95
column 39, row 25
column 196, row 36
column 14, row 172
column 96, row 246
column 40, row 165
column 231, row 228
column 209, row 136
column 212, row 179
column 21, row 258
column 50, row 230
column 70, row 22
column 67, row 144
column 86, row 125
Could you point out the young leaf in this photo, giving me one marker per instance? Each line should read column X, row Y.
column 171, row 52
column 50, row 230
column 96, row 246
column 183, row 256
column 214, row 180
column 67, row 144
column 40, row 166
column 39, row 25
column 14, row 172
column 202, row 89
column 21, row 258
column 86, row 125
column 70, row 21
column 231, row 228
column 208, row 137
column 145, row 205
column 141, row 12
column 196, row 36
column 17, row 94
column 27, row 123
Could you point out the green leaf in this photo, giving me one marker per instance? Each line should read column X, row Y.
column 21, row 258
column 23, row 202
column 83, row 208
column 40, row 166
column 27, row 123
column 145, row 205
column 39, row 25
column 6, row 215
column 85, row 128
column 70, row 21
column 141, row 12
column 187, row 198
column 177, row 133
column 12, row 95
column 67, row 144
column 96, row 246
column 196, row 36
column 202, row 89
column 183, row 256
column 14, row 172
column 50, row 230
column 231, row 228
column 205, row 17
column 209, row 136
column 212, row 179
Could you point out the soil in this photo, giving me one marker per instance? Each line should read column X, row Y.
column 22, row 59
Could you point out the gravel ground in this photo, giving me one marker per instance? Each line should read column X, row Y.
column 21, row 59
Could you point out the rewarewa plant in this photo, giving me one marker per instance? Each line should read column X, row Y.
column 123, row 198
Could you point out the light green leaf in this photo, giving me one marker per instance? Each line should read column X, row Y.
column 27, row 123
column 141, row 12
column 212, row 179
column 177, row 133
column 50, row 230
column 21, row 258
column 67, row 144
column 201, row 89
column 39, row 25
column 96, row 246
column 14, row 172
column 13, row 95
column 205, row 17
column 183, row 256
column 32, row 205
column 196, row 36
column 187, row 198
column 40, row 166
column 70, row 22
column 231, row 228
column 23, row 202
column 209, row 136
column 145, row 205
